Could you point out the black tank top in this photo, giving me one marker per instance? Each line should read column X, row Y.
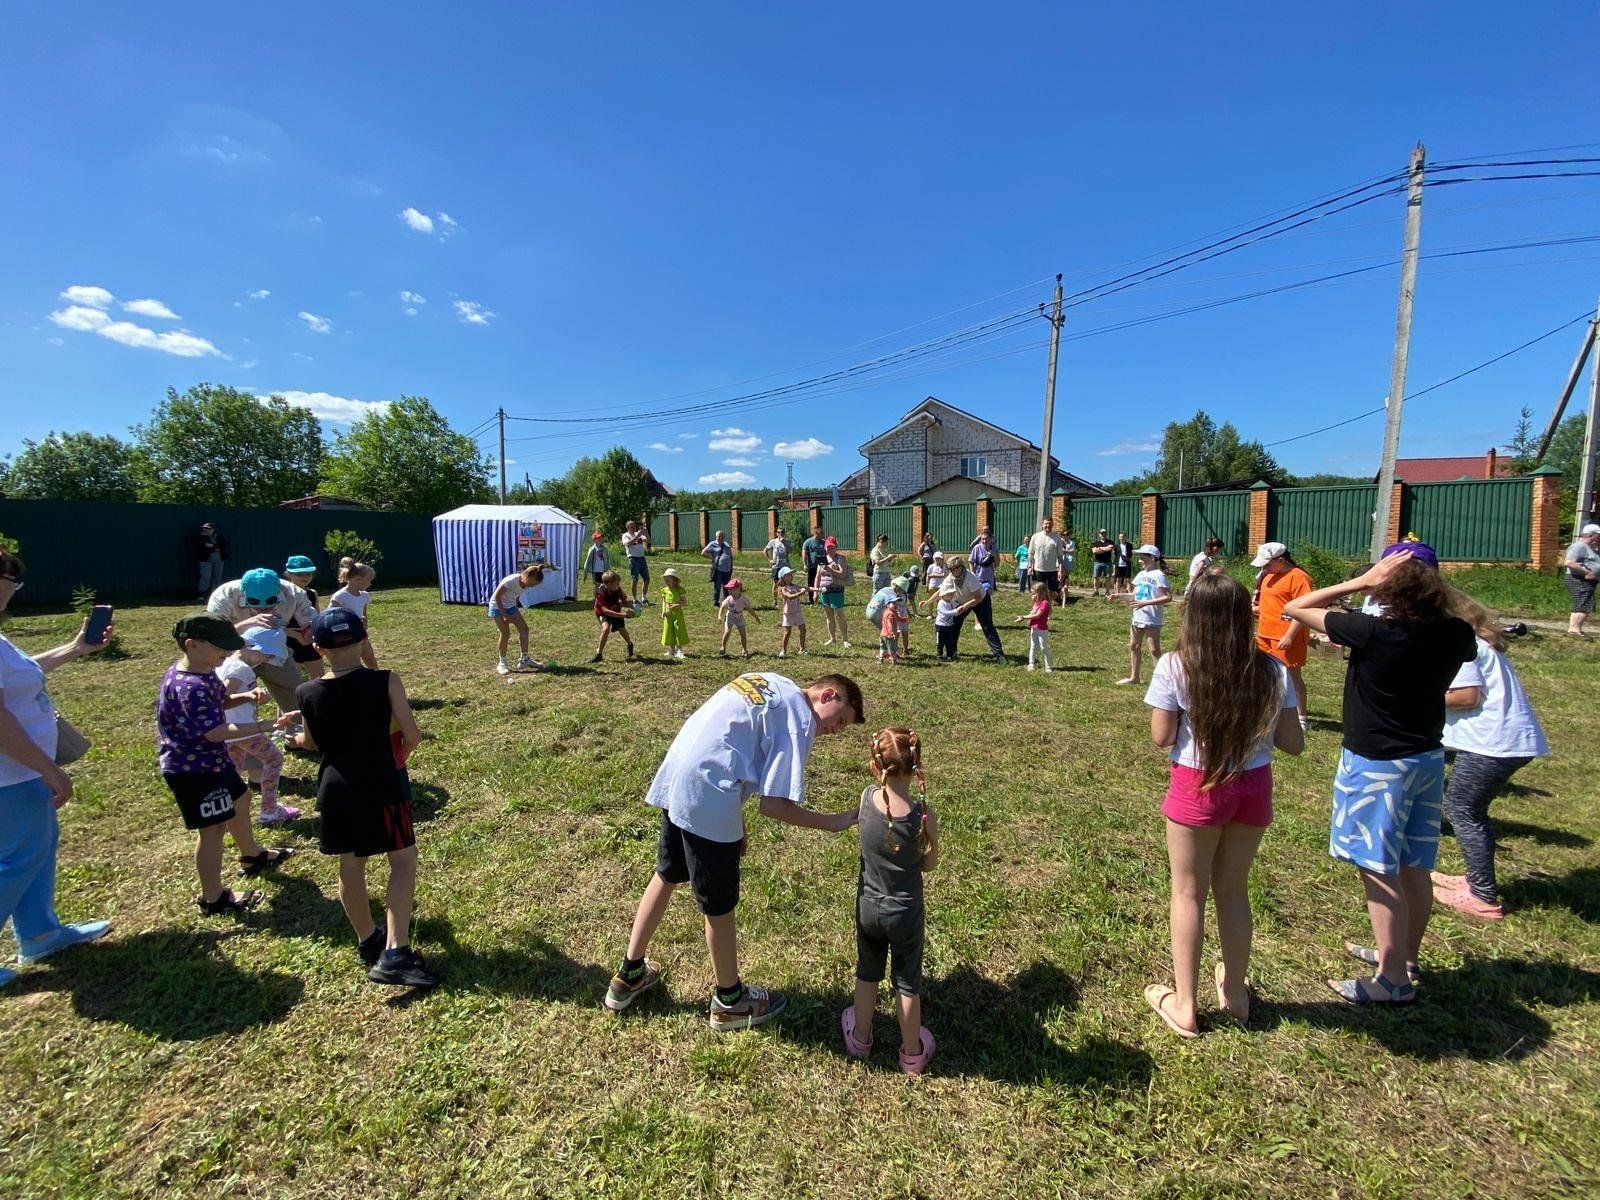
column 348, row 717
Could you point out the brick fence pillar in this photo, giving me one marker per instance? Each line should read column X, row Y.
column 772, row 522
column 814, row 519
column 1149, row 507
column 1544, row 543
column 861, row 530
column 1060, row 509
column 735, row 537
column 919, row 524
column 1260, row 516
column 705, row 529
column 983, row 513
column 672, row 529
column 1396, row 499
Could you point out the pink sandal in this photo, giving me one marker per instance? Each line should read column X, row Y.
column 916, row 1064
column 853, row 1046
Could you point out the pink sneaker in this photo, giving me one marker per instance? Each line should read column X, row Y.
column 1466, row 902
column 916, row 1064
column 278, row 815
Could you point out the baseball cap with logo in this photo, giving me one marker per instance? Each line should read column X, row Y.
column 336, row 627
column 259, row 587
column 1268, row 552
column 203, row 627
column 299, row 564
column 274, row 643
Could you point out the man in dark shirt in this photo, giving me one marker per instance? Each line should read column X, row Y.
column 1100, row 552
column 210, row 555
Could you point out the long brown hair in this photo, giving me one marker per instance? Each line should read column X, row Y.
column 1414, row 593
column 1474, row 614
column 1235, row 690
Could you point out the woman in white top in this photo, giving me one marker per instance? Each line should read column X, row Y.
column 1206, row 559
column 1494, row 733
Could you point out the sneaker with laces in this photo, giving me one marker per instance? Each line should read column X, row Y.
column 526, row 663
column 402, row 967
column 755, row 1006
column 624, row 992
column 501, row 668
column 370, row 948
column 845, row 645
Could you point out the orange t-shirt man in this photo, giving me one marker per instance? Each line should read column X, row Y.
column 1276, row 589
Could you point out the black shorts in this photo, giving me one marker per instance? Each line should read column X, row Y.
column 614, row 624
column 710, row 868
column 1049, row 578
column 886, row 924
column 207, row 798
column 303, row 653
column 1123, row 573
column 366, row 829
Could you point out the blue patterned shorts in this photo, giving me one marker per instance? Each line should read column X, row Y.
column 1386, row 812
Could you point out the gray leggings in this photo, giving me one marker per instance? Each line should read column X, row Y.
column 1474, row 781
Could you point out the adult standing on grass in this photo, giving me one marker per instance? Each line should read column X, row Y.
column 984, row 560
column 1582, row 573
column 635, row 542
column 926, row 549
column 32, row 788
column 831, row 577
column 1389, row 791
column 259, row 599
column 777, row 552
column 1491, row 727
column 752, row 738
column 958, row 595
column 721, row 556
column 1044, row 558
column 211, row 557
column 1100, row 552
column 1222, row 705
column 813, row 552
column 1122, row 565
column 1281, row 580
column 882, row 560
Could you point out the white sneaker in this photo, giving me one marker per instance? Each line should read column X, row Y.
column 525, row 663
column 679, row 655
column 502, row 669
column 805, row 654
column 783, row 654
column 666, row 654
column 846, row 645
column 1030, row 667
column 1047, row 670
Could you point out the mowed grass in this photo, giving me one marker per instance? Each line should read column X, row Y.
column 190, row 1056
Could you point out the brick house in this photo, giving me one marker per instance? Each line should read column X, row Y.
column 939, row 452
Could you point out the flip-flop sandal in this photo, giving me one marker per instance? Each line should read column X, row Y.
column 853, row 1046
column 1377, row 990
column 267, row 859
column 229, row 902
column 1366, row 954
column 1154, row 994
column 1222, row 999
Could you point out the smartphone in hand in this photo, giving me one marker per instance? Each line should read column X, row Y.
column 99, row 622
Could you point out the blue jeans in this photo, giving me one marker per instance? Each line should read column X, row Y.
column 29, row 834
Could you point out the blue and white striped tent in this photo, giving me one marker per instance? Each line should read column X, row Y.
column 477, row 545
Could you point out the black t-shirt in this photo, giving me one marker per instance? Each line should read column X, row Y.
column 1101, row 551
column 1395, row 683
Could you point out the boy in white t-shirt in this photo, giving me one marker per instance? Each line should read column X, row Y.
column 751, row 738
column 1151, row 592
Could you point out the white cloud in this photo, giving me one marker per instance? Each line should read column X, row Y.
column 79, row 318
column 411, row 297
column 411, row 312
column 315, row 323
column 1133, row 445
column 666, row 449
column 473, row 313
column 150, row 308
column 726, row 479
column 341, row 410
column 447, row 221
column 687, row 436
column 733, row 440
column 55, row 341
column 805, row 448
column 177, row 342
column 420, row 222
column 82, row 293
column 260, row 294
column 741, row 462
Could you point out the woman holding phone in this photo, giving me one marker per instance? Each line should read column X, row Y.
column 32, row 788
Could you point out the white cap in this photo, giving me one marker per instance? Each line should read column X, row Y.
column 1147, row 548
column 1588, row 529
column 1268, row 552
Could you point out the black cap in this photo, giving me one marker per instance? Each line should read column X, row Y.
column 336, row 627
column 203, row 627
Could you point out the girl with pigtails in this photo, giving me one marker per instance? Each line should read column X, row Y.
column 899, row 841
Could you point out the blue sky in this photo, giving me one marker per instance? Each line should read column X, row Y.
column 571, row 210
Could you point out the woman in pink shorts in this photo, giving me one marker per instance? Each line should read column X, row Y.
column 1216, row 690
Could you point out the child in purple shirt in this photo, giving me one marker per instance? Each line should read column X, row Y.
column 192, row 730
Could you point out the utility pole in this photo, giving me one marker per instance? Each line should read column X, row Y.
column 1180, row 468
column 1402, row 349
column 1591, row 433
column 501, row 414
column 1567, row 389
column 1055, row 318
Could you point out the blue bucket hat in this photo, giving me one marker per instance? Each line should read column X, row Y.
column 259, row 588
column 274, row 643
column 299, row 564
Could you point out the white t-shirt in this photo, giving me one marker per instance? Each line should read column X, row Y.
column 508, row 591
column 1504, row 725
column 633, row 543
column 238, row 676
column 1145, row 586
column 1169, row 692
column 29, row 703
column 1044, row 551
column 750, row 739
column 356, row 602
column 1198, row 565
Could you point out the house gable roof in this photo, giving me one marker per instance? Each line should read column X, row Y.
column 927, row 411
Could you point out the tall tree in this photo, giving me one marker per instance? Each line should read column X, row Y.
column 1519, row 451
column 406, row 458
column 217, row 445
column 1566, row 449
column 75, row 466
column 1211, row 454
column 618, row 492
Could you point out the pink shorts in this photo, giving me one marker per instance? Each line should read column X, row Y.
column 1245, row 798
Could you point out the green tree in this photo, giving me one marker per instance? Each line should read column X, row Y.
column 1566, row 448
column 1519, row 451
column 406, row 458
column 617, row 492
column 217, row 445
column 75, row 466
column 1206, row 454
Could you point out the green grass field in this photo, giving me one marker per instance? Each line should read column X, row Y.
column 189, row 1056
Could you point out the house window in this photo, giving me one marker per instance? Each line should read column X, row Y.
column 975, row 467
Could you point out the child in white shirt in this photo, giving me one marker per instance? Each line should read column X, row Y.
column 1151, row 592
column 238, row 675
column 732, row 609
column 354, row 593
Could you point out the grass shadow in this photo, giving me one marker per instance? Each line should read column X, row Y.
column 1324, row 724
column 990, row 1030
column 172, row 984
column 1482, row 1011
column 1541, row 834
column 1578, row 891
column 430, row 705
column 523, row 965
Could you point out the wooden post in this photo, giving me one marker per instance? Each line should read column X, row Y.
column 1149, row 516
column 1389, row 517
column 672, row 529
column 734, row 534
column 1260, row 516
column 1544, row 542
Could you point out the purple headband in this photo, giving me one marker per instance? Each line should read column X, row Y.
column 1419, row 550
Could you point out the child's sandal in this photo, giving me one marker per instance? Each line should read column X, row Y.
column 228, row 902
column 853, row 1046
column 916, row 1064
column 254, row 864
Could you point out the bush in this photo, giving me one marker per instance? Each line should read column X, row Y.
column 343, row 543
column 83, row 601
column 1325, row 567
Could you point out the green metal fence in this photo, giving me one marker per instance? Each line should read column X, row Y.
column 839, row 521
column 1184, row 522
column 1479, row 520
column 1111, row 513
column 1336, row 518
column 953, row 525
column 129, row 552
column 660, row 530
column 896, row 522
column 1013, row 523
column 717, row 518
column 753, row 529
